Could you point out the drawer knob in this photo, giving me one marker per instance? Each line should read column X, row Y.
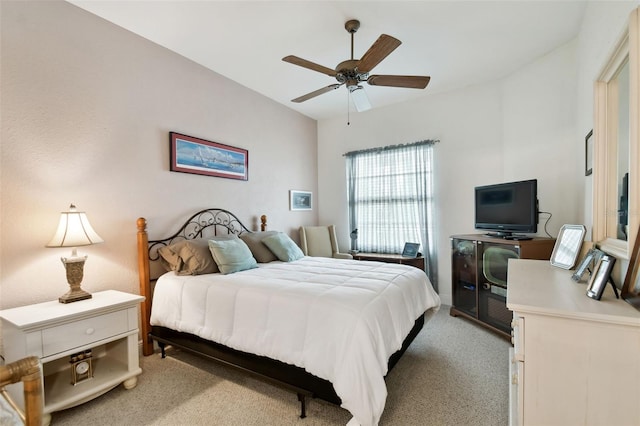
column 89, row 331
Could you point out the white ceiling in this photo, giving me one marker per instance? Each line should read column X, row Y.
column 457, row 43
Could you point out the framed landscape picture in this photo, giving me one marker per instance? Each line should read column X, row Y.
column 202, row 157
column 299, row 200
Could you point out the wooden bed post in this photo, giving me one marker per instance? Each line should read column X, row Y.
column 263, row 222
column 145, row 285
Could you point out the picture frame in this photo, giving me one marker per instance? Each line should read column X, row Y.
column 600, row 276
column 588, row 154
column 410, row 250
column 631, row 285
column 591, row 258
column 193, row 155
column 300, row 200
column 567, row 246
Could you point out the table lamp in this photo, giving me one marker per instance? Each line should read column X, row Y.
column 74, row 230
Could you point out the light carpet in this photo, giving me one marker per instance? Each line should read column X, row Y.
column 454, row 373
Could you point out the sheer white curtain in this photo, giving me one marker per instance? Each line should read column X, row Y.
column 390, row 193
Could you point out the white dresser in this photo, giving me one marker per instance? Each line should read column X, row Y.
column 575, row 360
column 106, row 324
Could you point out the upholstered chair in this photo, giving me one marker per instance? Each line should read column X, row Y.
column 320, row 241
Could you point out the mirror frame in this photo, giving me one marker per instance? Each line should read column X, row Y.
column 605, row 137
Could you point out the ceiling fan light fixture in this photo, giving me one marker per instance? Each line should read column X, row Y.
column 360, row 98
column 352, row 84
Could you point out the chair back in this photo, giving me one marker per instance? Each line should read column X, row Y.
column 318, row 241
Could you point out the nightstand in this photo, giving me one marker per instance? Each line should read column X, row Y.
column 106, row 324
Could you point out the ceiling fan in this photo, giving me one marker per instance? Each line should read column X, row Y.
column 352, row 72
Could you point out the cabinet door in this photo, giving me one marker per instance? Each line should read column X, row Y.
column 464, row 276
column 492, row 283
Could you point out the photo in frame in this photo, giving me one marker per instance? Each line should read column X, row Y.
column 198, row 156
column 601, row 276
column 588, row 154
column 631, row 285
column 586, row 264
column 300, row 200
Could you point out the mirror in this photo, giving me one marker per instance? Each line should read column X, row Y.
column 616, row 157
column 620, row 186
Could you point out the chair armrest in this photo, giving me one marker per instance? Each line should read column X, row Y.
column 29, row 372
column 342, row 256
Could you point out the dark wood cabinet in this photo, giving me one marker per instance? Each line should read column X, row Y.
column 479, row 276
column 417, row 262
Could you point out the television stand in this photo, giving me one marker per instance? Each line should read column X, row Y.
column 479, row 276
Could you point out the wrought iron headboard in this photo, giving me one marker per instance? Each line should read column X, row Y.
column 204, row 223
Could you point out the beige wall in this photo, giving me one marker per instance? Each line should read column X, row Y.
column 86, row 110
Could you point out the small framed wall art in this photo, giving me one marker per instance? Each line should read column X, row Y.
column 588, row 154
column 299, row 200
column 202, row 157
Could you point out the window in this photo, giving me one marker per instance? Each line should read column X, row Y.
column 390, row 195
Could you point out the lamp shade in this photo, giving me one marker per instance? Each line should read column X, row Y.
column 74, row 230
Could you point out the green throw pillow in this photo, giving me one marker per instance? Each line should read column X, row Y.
column 232, row 256
column 283, row 247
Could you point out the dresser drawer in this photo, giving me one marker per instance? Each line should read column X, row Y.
column 79, row 333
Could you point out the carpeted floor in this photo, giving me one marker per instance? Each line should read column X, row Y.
column 454, row 373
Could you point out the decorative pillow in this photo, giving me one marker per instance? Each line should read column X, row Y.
column 190, row 257
column 284, row 247
column 232, row 255
column 260, row 252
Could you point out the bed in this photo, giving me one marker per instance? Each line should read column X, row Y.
column 323, row 328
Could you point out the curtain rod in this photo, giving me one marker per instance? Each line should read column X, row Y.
column 391, row 147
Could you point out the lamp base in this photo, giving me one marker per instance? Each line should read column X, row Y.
column 74, row 296
column 74, row 267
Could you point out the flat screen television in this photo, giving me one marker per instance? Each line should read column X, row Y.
column 507, row 208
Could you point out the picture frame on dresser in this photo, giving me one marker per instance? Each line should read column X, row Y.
column 586, row 264
column 567, row 246
column 601, row 276
column 631, row 285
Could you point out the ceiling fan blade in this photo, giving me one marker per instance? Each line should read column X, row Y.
column 316, row 93
column 360, row 99
column 383, row 46
column 408, row 81
column 309, row 65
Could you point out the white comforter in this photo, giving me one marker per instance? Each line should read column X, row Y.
column 338, row 319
